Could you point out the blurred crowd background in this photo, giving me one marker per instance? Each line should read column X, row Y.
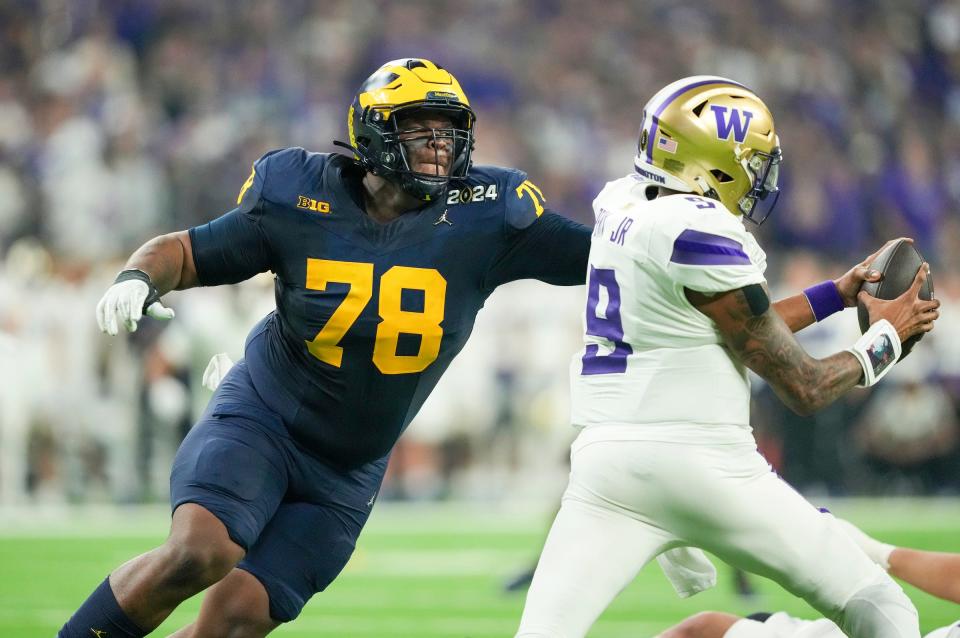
column 123, row 119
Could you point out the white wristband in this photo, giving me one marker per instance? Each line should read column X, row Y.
column 877, row 350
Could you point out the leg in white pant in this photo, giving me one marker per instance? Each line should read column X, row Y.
column 590, row 555
column 759, row 523
column 630, row 500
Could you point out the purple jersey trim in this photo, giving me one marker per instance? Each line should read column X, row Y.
column 655, row 118
column 703, row 249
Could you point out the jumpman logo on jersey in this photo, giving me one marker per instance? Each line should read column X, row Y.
column 443, row 219
column 99, row 633
column 372, row 499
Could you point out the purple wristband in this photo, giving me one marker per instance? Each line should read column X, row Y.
column 824, row 299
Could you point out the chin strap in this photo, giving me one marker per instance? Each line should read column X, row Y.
column 353, row 150
column 877, row 350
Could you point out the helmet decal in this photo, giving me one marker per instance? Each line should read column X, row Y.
column 655, row 116
column 734, row 124
column 713, row 137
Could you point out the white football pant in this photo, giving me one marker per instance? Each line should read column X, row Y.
column 782, row 625
column 629, row 500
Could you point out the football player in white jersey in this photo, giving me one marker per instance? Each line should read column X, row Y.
column 937, row 573
column 712, row 624
column 677, row 311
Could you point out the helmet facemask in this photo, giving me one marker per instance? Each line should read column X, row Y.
column 401, row 90
column 407, row 143
column 764, row 171
column 392, row 154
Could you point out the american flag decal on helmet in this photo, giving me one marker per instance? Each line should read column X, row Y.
column 666, row 144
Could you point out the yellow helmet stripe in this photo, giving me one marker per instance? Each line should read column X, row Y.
column 411, row 85
column 428, row 73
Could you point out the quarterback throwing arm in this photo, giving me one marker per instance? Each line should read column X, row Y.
column 758, row 335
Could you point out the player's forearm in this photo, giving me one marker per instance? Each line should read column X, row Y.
column 168, row 260
column 763, row 341
column 766, row 345
column 936, row 573
column 795, row 312
column 812, row 384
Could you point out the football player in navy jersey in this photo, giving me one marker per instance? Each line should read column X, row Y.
column 382, row 261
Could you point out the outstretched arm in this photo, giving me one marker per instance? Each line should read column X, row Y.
column 160, row 265
column 229, row 249
column 937, row 573
column 168, row 260
column 553, row 249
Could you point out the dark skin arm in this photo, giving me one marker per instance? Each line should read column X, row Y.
column 168, row 259
column 766, row 345
column 796, row 311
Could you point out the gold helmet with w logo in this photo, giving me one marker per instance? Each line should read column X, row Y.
column 399, row 88
column 715, row 137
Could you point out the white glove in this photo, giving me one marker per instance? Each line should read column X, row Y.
column 123, row 303
column 877, row 551
column 216, row 370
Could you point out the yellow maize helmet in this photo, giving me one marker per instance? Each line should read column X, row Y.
column 715, row 137
column 397, row 88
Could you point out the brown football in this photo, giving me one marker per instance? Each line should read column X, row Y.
column 899, row 263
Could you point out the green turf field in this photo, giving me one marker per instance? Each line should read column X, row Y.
column 420, row 571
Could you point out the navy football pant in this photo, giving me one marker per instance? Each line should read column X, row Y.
column 297, row 517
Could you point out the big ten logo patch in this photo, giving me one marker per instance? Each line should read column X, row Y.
column 312, row 204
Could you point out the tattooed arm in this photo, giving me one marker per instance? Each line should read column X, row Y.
column 168, row 259
column 766, row 345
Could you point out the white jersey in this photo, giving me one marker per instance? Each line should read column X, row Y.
column 783, row 625
column 651, row 358
column 950, row 631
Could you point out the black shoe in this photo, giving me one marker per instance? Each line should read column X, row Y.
column 519, row 582
column 742, row 585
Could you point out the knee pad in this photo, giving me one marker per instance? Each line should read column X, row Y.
column 880, row 610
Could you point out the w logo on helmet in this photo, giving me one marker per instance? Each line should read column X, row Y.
column 733, row 122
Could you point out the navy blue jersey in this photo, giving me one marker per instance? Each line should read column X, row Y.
column 369, row 315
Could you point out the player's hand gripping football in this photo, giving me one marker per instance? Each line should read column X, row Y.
column 123, row 304
column 849, row 284
column 909, row 314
